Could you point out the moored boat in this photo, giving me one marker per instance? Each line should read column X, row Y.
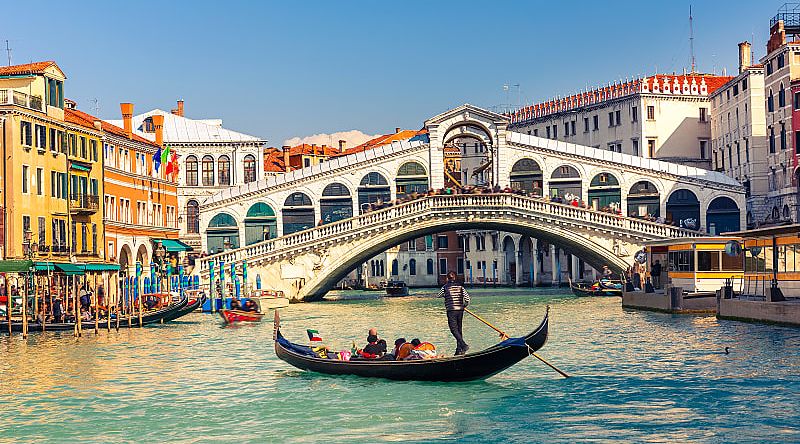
column 231, row 316
column 396, row 288
column 473, row 366
column 598, row 289
column 268, row 299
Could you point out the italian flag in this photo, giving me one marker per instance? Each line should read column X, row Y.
column 313, row 335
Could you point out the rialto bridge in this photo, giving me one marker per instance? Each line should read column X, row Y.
column 317, row 228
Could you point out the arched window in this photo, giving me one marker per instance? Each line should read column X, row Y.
column 191, row 171
column 208, row 171
column 372, row 189
column 412, row 267
column 786, row 212
column 224, row 170
column 411, row 178
column 192, row 215
column 336, row 203
column 722, row 216
column 260, row 224
column 298, row 214
column 249, row 168
column 429, row 266
column 395, row 268
column 222, row 233
column 526, row 175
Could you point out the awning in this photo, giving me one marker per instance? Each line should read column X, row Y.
column 15, row 266
column 173, row 245
column 79, row 167
column 45, row 266
column 100, row 267
column 69, row 269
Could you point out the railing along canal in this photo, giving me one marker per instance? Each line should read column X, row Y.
column 426, row 206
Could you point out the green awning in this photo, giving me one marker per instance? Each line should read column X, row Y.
column 15, row 266
column 101, row 267
column 45, row 266
column 69, row 269
column 79, row 167
column 173, row 245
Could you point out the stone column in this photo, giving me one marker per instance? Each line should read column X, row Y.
column 576, row 268
column 554, row 265
column 535, row 261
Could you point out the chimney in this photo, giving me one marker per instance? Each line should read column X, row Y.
column 127, row 115
column 286, row 149
column 158, row 126
column 745, row 56
column 180, row 107
column 98, row 125
column 342, row 145
column 397, row 130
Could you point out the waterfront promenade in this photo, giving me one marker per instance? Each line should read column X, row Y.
column 636, row 376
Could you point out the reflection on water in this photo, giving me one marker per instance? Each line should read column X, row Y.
column 636, row 376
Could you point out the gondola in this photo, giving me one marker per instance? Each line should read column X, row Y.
column 231, row 316
column 147, row 318
column 469, row 367
column 396, row 288
column 191, row 305
column 598, row 290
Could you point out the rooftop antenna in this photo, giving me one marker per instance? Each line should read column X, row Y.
column 96, row 106
column 691, row 40
column 8, row 51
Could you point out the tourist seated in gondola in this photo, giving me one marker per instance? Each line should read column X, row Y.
column 251, row 306
column 374, row 349
column 235, row 304
column 421, row 350
column 403, row 350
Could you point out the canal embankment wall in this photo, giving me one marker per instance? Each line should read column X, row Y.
column 784, row 312
column 673, row 301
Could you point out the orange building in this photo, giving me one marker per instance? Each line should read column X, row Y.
column 140, row 201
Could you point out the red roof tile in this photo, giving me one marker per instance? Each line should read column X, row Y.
column 87, row 120
column 385, row 139
column 28, row 68
column 273, row 161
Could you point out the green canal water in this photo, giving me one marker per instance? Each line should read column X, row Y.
column 637, row 376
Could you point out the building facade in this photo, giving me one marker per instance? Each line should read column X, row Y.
column 739, row 135
column 211, row 159
column 663, row 117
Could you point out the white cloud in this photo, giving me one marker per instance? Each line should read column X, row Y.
column 352, row 137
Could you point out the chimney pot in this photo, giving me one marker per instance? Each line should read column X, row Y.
column 158, row 126
column 180, row 107
column 397, row 130
column 286, row 149
column 342, row 145
column 127, row 115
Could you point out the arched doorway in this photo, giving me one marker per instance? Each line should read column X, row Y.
column 141, row 255
column 604, row 192
column 373, row 188
column 526, row 175
column 722, row 216
column 260, row 223
column 222, row 233
column 335, row 203
column 125, row 258
column 298, row 213
column 510, row 256
column 565, row 183
column 644, row 200
column 683, row 209
column 411, row 178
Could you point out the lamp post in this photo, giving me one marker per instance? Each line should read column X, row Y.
column 161, row 253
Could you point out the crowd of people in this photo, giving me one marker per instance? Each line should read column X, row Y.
column 58, row 307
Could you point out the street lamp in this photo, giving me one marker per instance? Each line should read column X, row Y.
column 160, row 254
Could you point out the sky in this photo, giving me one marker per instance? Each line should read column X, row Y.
column 290, row 70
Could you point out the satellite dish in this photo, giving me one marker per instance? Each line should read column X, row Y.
column 733, row 248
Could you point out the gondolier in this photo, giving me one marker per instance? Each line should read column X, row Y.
column 456, row 299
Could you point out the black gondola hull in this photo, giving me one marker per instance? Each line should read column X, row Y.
column 468, row 367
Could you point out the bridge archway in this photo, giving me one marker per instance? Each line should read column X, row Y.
column 336, row 203
column 683, row 209
column 643, row 200
column 298, row 213
column 373, row 188
column 604, row 192
column 222, row 233
column 566, row 181
column 411, row 177
column 526, row 175
column 722, row 216
column 260, row 223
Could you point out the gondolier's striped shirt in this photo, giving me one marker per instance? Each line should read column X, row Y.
column 455, row 296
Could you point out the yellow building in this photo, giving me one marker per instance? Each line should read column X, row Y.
column 52, row 174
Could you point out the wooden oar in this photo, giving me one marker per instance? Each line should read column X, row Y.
column 504, row 336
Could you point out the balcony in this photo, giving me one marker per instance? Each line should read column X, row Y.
column 11, row 97
column 83, row 203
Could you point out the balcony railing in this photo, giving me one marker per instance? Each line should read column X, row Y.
column 11, row 97
column 84, row 202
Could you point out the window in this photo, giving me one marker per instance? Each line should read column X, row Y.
column 585, row 124
column 738, row 154
column 208, row 171
column 744, row 84
column 93, row 150
column 735, row 90
column 41, row 136
column 53, row 145
column 780, row 61
column 395, row 268
column 610, row 119
column 442, row 266
column 769, row 67
column 83, row 147
column 74, row 232
column 797, row 101
column 703, row 147
column 53, row 184
column 84, row 236
column 480, row 242
column 94, row 239
column 25, row 173
column 26, row 227
column 224, row 170
column 441, row 242
column 704, row 114
column 460, row 265
column 651, row 148
column 25, row 133
column 548, row 131
column 782, row 96
column 191, row 171
column 412, row 245
column 536, row 132
column 783, row 136
column 39, row 181
column 651, row 112
column 618, row 120
column 306, row 162
column 249, row 168
column 429, row 266
column 572, row 126
column 770, row 102
column 708, row 260
column 681, row 260
column 412, row 267
column 555, row 132
column 192, row 217
column 42, row 239
column 595, row 123
column 746, row 150
column 772, row 140
column 634, row 114
column 566, row 129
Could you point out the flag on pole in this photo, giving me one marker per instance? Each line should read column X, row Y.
column 164, row 154
column 172, row 166
column 313, row 335
column 157, row 159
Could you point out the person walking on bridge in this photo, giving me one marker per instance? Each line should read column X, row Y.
column 456, row 299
